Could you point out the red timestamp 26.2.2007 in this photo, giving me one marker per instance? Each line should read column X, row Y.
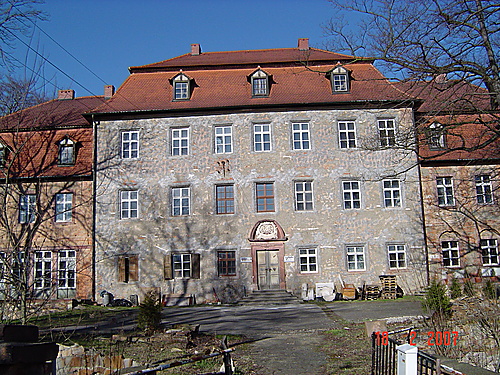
column 434, row 338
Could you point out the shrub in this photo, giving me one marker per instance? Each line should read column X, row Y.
column 468, row 288
column 149, row 317
column 436, row 299
column 455, row 289
column 489, row 290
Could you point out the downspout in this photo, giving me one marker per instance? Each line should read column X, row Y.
column 94, row 205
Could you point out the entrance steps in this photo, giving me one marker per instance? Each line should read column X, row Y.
column 269, row 297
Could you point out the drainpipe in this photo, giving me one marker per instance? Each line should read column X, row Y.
column 94, row 190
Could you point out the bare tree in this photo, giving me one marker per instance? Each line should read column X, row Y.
column 17, row 94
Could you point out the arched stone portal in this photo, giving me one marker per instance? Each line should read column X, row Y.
column 267, row 239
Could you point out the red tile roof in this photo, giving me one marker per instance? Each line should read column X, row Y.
column 230, row 88
column 249, row 58
column 52, row 114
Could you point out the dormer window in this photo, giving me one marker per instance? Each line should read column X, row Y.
column 436, row 136
column 4, row 150
column 339, row 77
column 66, row 152
column 182, row 89
column 260, row 83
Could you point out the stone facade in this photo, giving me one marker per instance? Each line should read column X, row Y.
column 328, row 229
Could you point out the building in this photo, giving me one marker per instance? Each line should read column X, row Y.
column 46, row 158
column 221, row 173
column 460, row 165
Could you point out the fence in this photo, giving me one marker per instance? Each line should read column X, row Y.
column 385, row 358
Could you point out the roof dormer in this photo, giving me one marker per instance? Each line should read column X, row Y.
column 261, row 83
column 182, row 87
column 340, row 79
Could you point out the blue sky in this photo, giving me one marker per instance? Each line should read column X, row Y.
column 108, row 36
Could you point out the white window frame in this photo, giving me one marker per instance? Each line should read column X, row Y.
column 260, row 83
column 387, row 132
column 356, row 258
column 397, row 256
column 450, row 253
column 301, row 136
column 223, row 139
column 347, row 134
column 484, row 190
column 27, row 208
column 437, row 136
column 129, row 204
column 66, row 269
column 262, row 138
column 42, row 270
column 339, row 77
column 180, row 141
column 445, row 192
column 304, row 198
column 392, row 193
column 181, row 84
column 66, row 154
column 351, row 195
column 130, row 144
column 64, row 207
column 3, row 154
column 181, row 265
column 308, row 260
column 489, row 252
column 181, row 201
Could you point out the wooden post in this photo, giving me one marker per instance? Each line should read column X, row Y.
column 228, row 368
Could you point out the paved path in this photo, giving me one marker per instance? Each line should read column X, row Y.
column 359, row 311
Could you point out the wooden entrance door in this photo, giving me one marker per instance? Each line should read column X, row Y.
column 268, row 269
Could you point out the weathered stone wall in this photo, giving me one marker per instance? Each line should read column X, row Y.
column 328, row 227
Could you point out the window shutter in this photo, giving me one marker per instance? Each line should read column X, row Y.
column 167, row 267
column 133, row 268
column 121, row 269
column 195, row 266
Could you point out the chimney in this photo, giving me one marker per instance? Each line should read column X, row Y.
column 66, row 94
column 303, row 44
column 195, row 50
column 109, row 91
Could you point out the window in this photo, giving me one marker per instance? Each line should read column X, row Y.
column 347, row 134
column 130, row 144
column 356, row 258
column 484, row 193
column 265, row 197
column 128, row 268
column 180, row 141
column 66, row 152
column 489, row 249
column 303, row 196
column 180, row 201
column 387, row 133
column 43, row 270
column 300, row 135
column 397, row 256
column 351, row 194
column 226, row 263
column 64, row 207
column 339, row 77
column 392, row 193
column 451, row 254
column 66, row 272
column 223, row 139
column 27, row 208
column 445, row 191
column 182, row 265
column 4, row 150
column 225, row 199
column 181, row 84
column 260, row 83
column 129, row 204
column 262, row 137
column 308, row 260
column 436, row 137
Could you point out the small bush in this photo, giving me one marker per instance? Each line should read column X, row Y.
column 468, row 288
column 455, row 289
column 489, row 290
column 149, row 317
column 436, row 299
